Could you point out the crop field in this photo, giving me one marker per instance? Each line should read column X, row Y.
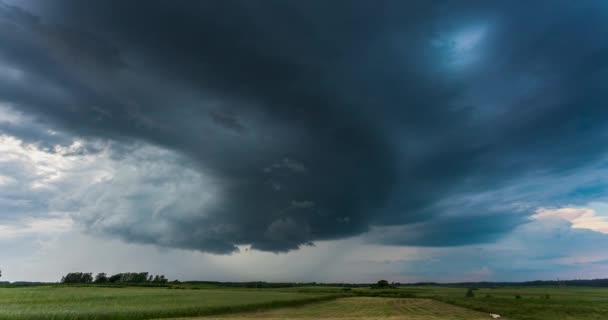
column 59, row 303
column 317, row 302
column 524, row 303
column 364, row 308
column 534, row 303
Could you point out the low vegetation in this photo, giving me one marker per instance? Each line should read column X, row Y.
column 174, row 300
column 534, row 303
column 58, row 303
column 365, row 308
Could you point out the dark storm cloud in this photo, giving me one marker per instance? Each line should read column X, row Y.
column 320, row 119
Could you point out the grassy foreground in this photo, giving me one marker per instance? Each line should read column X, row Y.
column 421, row 303
column 60, row 303
column 364, row 308
column 534, row 303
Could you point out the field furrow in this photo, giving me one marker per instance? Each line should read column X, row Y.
column 364, row 308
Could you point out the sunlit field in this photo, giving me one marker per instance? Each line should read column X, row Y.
column 135, row 303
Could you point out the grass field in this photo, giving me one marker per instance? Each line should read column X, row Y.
column 318, row 302
column 562, row 303
column 59, row 303
column 364, row 308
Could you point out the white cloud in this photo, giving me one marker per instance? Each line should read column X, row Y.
column 103, row 190
column 579, row 217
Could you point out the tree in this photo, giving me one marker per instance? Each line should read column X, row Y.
column 101, row 278
column 141, row 277
column 115, row 278
column 382, row 284
column 470, row 293
column 77, row 277
column 87, row 277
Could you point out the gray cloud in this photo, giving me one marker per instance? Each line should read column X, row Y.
column 361, row 114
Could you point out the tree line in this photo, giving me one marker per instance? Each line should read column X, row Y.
column 102, row 277
column 536, row 283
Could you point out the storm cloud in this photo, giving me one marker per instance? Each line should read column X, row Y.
column 276, row 124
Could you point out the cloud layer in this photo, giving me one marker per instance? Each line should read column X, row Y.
column 280, row 124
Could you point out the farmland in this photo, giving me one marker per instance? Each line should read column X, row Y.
column 534, row 303
column 56, row 303
column 365, row 308
column 314, row 302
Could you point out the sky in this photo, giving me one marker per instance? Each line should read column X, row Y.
column 340, row 141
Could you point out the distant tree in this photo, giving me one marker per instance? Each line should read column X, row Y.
column 101, row 278
column 115, row 278
column 470, row 293
column 517, row 297
column 77, row 277
column 382, row 284
column 140, row 277
column 87, row 277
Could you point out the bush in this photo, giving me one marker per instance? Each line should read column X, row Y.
column 470, row 293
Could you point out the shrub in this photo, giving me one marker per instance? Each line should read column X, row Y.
column 470, row 293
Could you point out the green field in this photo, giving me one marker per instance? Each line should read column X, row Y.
column 535, row 303
column 318, row 302
column 364, row 308
column 135, row 303
column 562, row 303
